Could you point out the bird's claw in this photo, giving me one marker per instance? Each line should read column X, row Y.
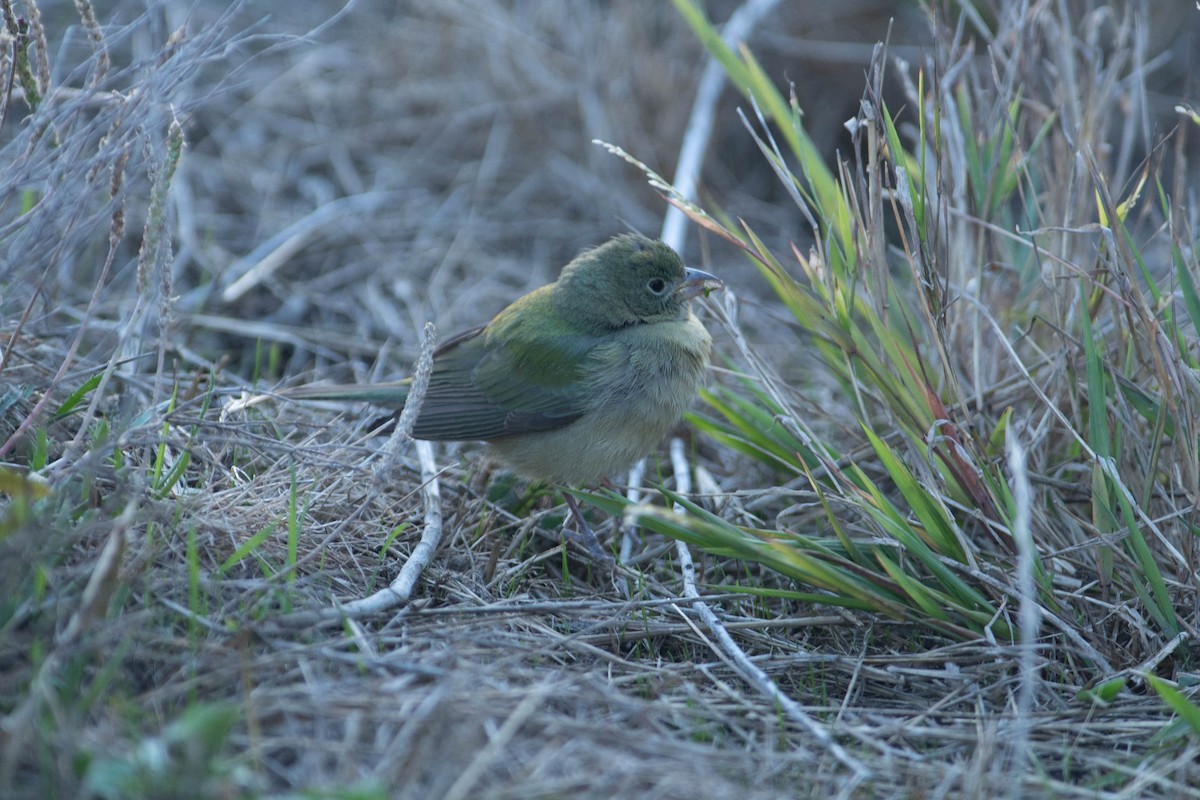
column 585, row 537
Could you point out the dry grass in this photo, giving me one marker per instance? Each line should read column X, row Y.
column 177, row 570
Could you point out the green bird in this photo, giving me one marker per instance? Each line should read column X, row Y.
column 576, row 380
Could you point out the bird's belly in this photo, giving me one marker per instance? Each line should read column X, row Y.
column 596, row 445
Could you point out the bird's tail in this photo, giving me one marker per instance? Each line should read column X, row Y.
column 390, row 394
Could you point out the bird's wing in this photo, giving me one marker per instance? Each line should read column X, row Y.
column 485, row 388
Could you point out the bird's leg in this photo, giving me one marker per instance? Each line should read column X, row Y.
column 587, row 537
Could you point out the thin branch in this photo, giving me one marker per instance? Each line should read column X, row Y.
column 1029, row 614
column 741, row 661
column 700, row 123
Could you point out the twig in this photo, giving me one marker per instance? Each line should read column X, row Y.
column 401, row 589
column 1151, row 664
column 272, row 254
column 1029, row 614
column 687, row 176
column 741, row 661
column 700, row 123
column 637, row 475
column 412, row 404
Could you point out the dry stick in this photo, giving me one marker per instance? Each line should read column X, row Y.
column 401, row 589
column 1029, row 614
column 412, row 404
column 20, row 326
column 634, row 494
column 1150, row 664
column 700, row 123
column 272, row 254
column 749, row 671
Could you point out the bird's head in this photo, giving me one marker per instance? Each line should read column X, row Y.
column 630, row 280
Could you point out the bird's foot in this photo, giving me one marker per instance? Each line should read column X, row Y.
column 585, row 536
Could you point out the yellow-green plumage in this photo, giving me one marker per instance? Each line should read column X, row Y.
column 576, row 380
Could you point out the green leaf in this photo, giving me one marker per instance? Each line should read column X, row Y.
column 77, row 397
column 1178, row 702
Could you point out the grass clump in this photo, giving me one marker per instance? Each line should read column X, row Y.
column 993, row 313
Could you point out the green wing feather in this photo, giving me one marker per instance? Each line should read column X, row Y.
column 528, row 370
column 506, row 379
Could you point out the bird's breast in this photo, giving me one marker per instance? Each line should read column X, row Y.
column 641, row 381
column 652, row 372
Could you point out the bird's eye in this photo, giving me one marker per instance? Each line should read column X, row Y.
column 657, row 285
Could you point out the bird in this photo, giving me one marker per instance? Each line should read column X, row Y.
column 575, row 381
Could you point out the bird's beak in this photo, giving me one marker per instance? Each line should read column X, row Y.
column 696, row 283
